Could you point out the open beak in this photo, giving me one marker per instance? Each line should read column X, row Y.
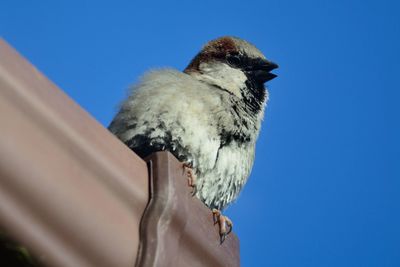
column 261, row 70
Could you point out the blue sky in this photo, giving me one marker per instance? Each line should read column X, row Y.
column 325, row 188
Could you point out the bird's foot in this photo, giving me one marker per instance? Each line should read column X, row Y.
column 191, row 177
column 225, row 224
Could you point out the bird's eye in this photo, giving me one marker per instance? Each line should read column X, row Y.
column 234, row 60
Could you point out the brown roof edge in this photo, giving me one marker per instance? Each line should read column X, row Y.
column 177, row 229
column 69, row 190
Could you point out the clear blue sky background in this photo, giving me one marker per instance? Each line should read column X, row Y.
column 325, row 188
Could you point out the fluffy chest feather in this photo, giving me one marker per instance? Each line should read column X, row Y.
column 199, row 124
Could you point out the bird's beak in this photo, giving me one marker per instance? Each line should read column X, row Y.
column 261, row 70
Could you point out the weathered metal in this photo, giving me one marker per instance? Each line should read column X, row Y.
column 177, row 229
column 69, row 190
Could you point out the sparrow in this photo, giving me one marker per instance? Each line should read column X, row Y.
column 208, row 116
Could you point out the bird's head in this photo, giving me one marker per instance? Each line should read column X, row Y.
column 236, row 66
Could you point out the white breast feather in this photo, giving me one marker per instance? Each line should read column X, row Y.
column 190, row 109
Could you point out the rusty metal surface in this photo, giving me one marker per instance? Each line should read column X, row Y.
column 69, row 190
column 177, row 229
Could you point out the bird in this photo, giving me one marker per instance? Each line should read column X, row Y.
column 208, row 116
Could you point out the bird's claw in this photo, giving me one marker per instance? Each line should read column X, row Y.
column 225, row 224
column 191, row 177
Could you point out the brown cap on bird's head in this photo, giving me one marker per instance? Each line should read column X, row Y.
column 235, row 52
